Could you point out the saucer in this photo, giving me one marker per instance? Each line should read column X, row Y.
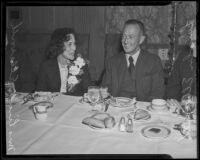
column 150, row 108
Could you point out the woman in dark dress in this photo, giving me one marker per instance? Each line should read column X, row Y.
column 63, row 71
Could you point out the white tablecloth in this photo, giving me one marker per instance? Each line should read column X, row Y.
column 63, row 132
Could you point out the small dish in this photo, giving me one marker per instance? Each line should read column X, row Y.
column 150, row 108
column 158, row 104
column 155, row 132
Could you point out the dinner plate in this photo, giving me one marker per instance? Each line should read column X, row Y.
column 121, row 102
column 150, row 108
column 155, row 132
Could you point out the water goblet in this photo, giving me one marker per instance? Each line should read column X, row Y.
column 104, row 92
column 93, row 95
column 188, row 129
column 188, row 105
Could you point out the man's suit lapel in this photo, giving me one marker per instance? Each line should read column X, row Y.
column 122, row 67
column 140, row 63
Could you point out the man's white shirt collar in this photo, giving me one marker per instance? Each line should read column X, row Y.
column 135, row 57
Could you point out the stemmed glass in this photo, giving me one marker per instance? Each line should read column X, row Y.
column 188, row 127
column 104, row 93
column 188, row 105
column 93, row 95
column 9, row 91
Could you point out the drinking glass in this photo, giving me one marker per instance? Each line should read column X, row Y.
column 188, row 105
column 104, row 92
column 189, row 129
column 93, row 94
column 9, row 90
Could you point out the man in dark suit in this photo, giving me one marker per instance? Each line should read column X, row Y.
column 134, row 72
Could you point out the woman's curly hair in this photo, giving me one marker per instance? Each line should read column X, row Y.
column 56, row 44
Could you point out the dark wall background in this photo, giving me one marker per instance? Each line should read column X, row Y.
column 100, row 21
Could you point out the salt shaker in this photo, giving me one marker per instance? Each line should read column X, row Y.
column 122, row 126
column 129, row 126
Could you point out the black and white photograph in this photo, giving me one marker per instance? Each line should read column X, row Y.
column 99, row 79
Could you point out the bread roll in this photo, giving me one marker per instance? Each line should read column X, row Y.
column 93, row 122
column 109, row 122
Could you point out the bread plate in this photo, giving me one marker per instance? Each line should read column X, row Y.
column 143, row 120
column 145, row 117
column 155, row 132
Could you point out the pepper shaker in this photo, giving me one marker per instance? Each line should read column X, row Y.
column 129, row 126
column 122, row 126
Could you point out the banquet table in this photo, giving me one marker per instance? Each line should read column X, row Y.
column 63, row 132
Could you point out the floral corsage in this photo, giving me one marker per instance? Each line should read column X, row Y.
column 75, row 71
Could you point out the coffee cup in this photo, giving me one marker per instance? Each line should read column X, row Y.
column 159, row 104
column 40, row 112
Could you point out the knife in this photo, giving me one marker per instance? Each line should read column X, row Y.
column 106, row 106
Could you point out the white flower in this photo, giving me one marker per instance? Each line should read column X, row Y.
column 15, row 68
column 192, row 45
column 11, row 60
column 74, row 70
column 72, row 80
column 79, row 62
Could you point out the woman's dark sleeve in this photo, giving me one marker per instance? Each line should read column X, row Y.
column 27, row 76
column 86, row 81
column 42, row 78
